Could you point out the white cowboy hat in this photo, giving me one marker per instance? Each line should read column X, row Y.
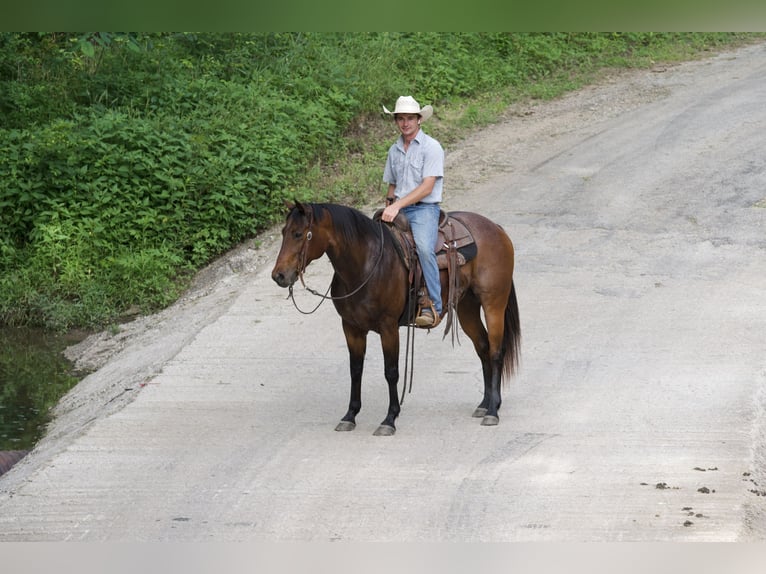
column 408, row 105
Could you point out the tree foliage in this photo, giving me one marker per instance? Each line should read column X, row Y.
column 127, row 161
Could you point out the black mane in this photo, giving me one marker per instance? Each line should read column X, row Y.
column 352, row 224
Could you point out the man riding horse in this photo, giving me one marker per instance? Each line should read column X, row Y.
column 414, row 173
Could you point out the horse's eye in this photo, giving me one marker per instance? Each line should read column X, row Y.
column 297, row 235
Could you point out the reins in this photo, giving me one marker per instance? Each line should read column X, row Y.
column 409, row 360
column 409, row 357
column 324, row 297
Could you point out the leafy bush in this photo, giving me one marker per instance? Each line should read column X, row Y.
column 127, row 161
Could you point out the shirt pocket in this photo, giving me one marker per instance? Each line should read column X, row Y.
column 397, row 167
column 415, row 167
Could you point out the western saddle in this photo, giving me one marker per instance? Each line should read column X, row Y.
column 455, row 246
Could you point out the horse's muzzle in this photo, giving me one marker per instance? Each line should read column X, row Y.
column 282, row 279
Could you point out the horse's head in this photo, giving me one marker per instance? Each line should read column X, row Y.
column 299, row 245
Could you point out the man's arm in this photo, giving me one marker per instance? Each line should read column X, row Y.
column 421, row 191
column 390, row 198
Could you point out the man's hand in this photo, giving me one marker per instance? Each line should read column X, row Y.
column 390, row 213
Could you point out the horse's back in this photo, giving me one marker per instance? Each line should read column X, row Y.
column 494, row 253
column 483, row 229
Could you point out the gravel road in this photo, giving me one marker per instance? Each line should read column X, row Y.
column 637, row 207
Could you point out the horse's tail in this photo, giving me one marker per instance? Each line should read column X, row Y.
column 511, row 336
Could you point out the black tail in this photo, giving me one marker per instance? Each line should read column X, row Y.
column 511, row 336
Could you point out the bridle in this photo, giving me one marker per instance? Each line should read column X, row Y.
column 305, row 248
column 307, row 236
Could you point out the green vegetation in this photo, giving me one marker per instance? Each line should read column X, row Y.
column 128, row 161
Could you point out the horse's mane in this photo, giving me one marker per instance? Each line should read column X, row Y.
column 351, row 223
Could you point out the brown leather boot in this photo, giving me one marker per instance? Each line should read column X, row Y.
column 427, row 317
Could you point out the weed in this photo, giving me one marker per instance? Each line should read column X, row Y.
column 127, row 161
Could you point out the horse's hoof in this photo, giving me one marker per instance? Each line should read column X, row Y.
column 345, row 426
column 384, row 430
column 489, row 421
column 479, row 412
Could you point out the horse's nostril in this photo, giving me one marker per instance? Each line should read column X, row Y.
column 280, row 278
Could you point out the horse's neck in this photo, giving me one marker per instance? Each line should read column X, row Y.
column 352, row 260
column 348, row 260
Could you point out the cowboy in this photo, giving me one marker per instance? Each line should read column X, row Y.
column 414, row 173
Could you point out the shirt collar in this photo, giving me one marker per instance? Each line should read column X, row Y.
column 418, row 138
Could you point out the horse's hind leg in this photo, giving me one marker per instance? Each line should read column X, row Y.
column 494, row 314
column 469, row 313
column 356, row 341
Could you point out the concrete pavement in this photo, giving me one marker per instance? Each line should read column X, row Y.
column 637, row 208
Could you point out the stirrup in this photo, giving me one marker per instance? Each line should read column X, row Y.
column 423, row 320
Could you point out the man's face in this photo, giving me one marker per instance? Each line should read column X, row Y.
column 408, row 124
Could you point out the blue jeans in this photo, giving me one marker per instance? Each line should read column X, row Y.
column 424, row 221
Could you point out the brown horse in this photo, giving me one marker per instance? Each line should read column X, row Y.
column 370, row 292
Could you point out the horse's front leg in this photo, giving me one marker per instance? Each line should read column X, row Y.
column 356, row 340
column 389, row 338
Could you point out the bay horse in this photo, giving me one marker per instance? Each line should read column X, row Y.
column 370, row 288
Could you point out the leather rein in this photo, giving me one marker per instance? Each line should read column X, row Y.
column 323, row 297
column 409, row 359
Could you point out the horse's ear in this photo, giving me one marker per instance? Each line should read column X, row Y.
column 288, row 204
column 302, row 209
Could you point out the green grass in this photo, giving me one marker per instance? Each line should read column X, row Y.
column 129, row 161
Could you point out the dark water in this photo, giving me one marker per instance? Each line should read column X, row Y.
column 34, row 375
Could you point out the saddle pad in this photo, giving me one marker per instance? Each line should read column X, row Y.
column 453, row 234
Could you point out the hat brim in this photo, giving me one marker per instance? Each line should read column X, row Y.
column 425, row 112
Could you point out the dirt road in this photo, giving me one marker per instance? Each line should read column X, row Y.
column 637, row 207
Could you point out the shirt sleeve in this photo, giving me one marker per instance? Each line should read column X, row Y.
column 388, row 172
column 433, row 164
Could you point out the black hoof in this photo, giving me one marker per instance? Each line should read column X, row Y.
column 489, row 421
column 345, row 426
column 479, row 412
column 384, row 430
